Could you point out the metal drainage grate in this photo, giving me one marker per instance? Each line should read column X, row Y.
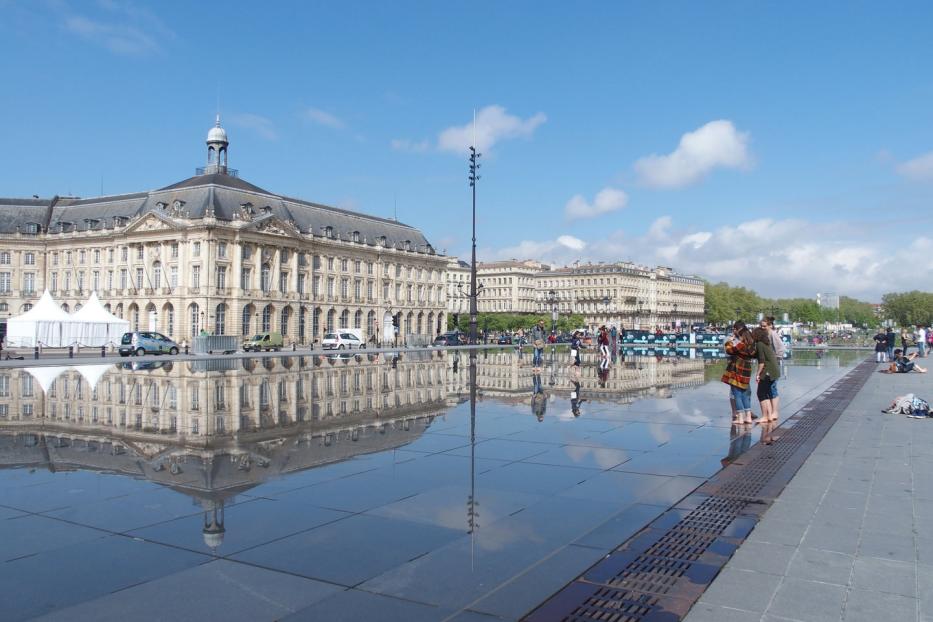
column 661, row 571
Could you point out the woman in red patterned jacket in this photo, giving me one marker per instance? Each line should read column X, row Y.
column 741, row 350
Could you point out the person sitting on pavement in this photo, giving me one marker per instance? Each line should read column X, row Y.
column 904, row 363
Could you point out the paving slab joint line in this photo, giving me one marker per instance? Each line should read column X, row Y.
column 662, row 572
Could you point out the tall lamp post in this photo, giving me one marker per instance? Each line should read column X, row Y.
column 552, row 298
column 474, row 166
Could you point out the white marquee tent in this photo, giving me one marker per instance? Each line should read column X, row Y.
column 44, row 324
column 93, row 325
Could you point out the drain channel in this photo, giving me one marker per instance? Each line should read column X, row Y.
column 660, row 572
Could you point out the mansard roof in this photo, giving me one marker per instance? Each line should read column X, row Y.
column 225, row 197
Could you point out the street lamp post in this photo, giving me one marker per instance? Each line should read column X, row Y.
column 474, row 167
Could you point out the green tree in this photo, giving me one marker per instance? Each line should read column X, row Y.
column 909, row 308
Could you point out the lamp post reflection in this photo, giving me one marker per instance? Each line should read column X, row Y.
column 472, row 514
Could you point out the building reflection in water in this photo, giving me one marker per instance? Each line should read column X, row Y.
column 214, row 429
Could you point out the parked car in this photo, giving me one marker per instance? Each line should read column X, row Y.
column 504, row 340
column 449, row 339
column 342, row 340
column 140, row 343
column 263, row 341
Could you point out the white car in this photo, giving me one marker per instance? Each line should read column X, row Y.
column 342, row 340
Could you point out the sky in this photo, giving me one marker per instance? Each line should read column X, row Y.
column 782, row 146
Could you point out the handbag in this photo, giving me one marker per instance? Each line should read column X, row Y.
column 539, row 343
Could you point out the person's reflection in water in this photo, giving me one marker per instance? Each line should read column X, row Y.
column 603, row 372
column 538, row 397
column 456, row 362
column 575, row 398
column 767, row 432
column 740, row 439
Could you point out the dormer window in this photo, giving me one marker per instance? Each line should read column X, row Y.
column 356, row 236
column 383, row 241
column 329, row 232
column 177, row 205
column 161, row 206
column 407, row 245
column 31, row 228
column 267, row 209
column 119, row 221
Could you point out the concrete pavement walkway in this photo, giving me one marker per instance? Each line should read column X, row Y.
column 851, row 536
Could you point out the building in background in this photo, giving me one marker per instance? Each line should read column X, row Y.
column 622, row 294
column 218, row 253
column 828, row 300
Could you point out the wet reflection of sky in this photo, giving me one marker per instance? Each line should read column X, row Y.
column 354, row 485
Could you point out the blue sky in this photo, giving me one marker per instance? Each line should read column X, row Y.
column 784, row 146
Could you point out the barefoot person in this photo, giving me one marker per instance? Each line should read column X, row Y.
column 904, row 363
column 767, row 375
column 740, row 347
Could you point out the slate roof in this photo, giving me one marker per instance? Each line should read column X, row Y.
column 222, row 194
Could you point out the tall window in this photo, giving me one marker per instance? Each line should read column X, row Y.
column 170, row 319
column 301, row 324
column 195, row 277
column 301, row 283
column 221, row 277
column 265, row 278
column 345, row 288
column 157, row 275
column 194, row 320
column 6, row 282
column 29, row 259
column 267, row 318
column 173, row 279
column 140, row 250
column 316, row 322
column 95, row 280
column 96, row 255
column 222, row 250
column 331, row 319
column 220, row 319
column 345, row 319
column 81, row 281
column 283, row 320
column 244, row 278
column 358, row 319
column 123, row 278
column 245, row 321
column 5, row 258
column 283, row 282
column 139, row 278
column 29, row 282
column 196, row 250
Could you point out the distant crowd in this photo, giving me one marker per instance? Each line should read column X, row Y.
column 901, row 359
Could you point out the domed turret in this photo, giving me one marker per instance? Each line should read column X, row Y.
column 216, row 149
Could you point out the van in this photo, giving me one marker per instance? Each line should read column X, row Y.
column 344, row 339
column 263, row 341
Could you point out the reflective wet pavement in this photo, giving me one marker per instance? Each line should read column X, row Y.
column 347, row 487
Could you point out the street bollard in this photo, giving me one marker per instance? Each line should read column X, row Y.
column 103, row 351
column 35, row 352
column 71, row 352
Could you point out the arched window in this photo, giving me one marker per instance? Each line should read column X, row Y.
column 408, row 322
column 168, row 316
column 371, row 323
column 301, row 324
column 194, row 319
column 358, row 319
column 283, row 320
column 220, row 319
column 345, row 319
column 119, row 312
column 331, row 321
column 157, row 275
column 420, row 324
column 430, row 325
column 65, row 307
column 267, row 318
column 134, row 316
column 247, row 312
column 316, row 323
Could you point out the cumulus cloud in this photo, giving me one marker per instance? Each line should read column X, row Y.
column 606, row 200
column 776, row 257
column 493, row 124
column 258, row 124
column 919, row 168
column 718, row 144
column 320, row 117
column 410, row 146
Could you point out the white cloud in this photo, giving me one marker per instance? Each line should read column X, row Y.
column 606, row 200
column 410, row 146
column 568, row 241
column 256, row 123
column 320, row 117
column 919, row 168
column 790, row 257
column 123, row 28
column 715, row 145
column 493, row 124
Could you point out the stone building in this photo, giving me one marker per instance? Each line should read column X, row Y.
column 216, row 252
column 621, row 294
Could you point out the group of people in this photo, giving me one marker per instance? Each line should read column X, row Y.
column 763, row 345
column 902, row 362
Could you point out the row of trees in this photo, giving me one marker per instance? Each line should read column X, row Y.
column 499, row 322
column 726, row 303
column 909, row 308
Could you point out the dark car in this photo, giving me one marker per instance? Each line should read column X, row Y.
column 449, row 339
column 504, row 340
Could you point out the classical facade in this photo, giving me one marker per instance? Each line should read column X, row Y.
column 624, row 295
column 218, row 253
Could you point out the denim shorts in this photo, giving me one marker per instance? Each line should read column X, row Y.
column 743, row 398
